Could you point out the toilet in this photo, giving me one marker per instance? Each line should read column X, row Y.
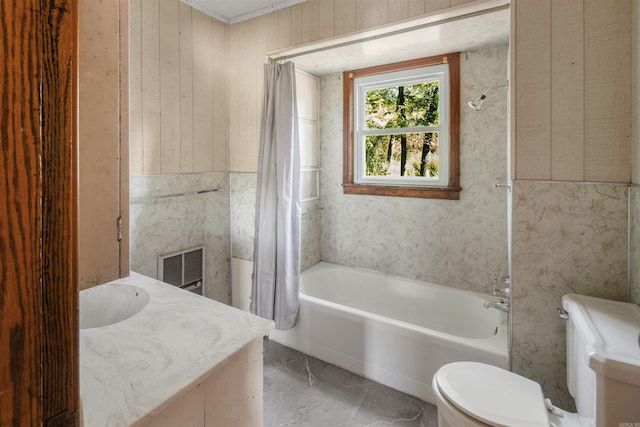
column 603, row 376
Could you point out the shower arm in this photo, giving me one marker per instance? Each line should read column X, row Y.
column 476, row 104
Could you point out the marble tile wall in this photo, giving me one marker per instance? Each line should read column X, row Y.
column 567, row 238
column 458, row 243
column 170, row 224
column 243, row 187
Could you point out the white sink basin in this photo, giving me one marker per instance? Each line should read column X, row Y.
column 110, row 303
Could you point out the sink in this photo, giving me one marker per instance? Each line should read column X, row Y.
column 110, row 303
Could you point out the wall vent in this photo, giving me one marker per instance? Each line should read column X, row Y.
column 184, row 269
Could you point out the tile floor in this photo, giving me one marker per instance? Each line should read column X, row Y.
column 300, row 390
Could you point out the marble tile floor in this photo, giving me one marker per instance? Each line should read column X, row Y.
column 300, row 390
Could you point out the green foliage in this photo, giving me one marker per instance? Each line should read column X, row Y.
column 402, row 107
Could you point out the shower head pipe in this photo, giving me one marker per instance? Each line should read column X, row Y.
column 476, row 104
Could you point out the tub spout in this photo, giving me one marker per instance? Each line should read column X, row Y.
column 500, row 305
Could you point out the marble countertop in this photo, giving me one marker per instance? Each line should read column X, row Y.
column 131, row 370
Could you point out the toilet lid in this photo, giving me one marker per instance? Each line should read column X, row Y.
column 493, row 395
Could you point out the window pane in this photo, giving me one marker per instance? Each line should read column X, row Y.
column 402, row 106
column 410, row 155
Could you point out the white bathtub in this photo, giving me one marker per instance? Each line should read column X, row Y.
column 393, row 330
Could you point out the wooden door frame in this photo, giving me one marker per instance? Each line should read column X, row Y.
column 39, row 382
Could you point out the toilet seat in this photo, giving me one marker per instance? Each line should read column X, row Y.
column 493, row 395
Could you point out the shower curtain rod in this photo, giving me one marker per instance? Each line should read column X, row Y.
column 273, row 57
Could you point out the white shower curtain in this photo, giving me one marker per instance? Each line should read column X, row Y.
column 276, row 269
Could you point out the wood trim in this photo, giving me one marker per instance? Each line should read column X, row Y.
column 60, row 386
column 20, row 224
column 451, row 192
column 454, row 122
column 38, row 291
column 444, row 193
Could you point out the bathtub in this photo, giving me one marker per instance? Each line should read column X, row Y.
column 393, row 330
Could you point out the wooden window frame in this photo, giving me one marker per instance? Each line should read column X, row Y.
column 449, row 192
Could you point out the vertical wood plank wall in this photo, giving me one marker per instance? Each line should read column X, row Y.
column 102, row 128
column 196, row 87
column 571, row 91
column 178, row 88
column 572, row 98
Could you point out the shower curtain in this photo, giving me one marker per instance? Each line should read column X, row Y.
column 276, row 269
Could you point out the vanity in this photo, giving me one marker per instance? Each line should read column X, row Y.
column 174, row 358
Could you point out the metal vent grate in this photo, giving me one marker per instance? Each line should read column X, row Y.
column 184, row 269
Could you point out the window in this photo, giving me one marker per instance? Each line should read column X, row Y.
column 401, row 129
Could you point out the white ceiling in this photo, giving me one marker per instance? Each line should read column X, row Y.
column 232, row 11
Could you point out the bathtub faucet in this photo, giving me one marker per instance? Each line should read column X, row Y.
column 500, row 305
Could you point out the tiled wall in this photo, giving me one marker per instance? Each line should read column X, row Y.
column 567, row 238
column 457, row 243
column 243, row 210
column 162, row 225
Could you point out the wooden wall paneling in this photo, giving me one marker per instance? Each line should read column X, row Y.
column 533, row 89
column 21, row 225
column 371, row 13
column 415, row 7
column 203, row 92
column 325, row 19
column 284, row 28
column 243, row 97
column 272, row 32
column 296, row 25
column 635, row 100
column 123, row 146
column 459, row 2
column 236, row 40
column 607, row 90
column 135, row 93
column 186, row 88
column 169, row 24
column 261, row 42
column 251, row 134
column 310, row 21
column 398, row 10
column 99, row 136
column 436, row 5
column 567, row 91
column 151, row 130
column 345, row 16
column 220, row 97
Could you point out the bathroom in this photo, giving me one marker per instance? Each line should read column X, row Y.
column 573, row 205
column 559, row 189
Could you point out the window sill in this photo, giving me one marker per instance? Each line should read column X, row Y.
column 444, row 193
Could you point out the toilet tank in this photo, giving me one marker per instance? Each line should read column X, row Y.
column 603, row 359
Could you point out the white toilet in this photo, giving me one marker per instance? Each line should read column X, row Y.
column 603, row 376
